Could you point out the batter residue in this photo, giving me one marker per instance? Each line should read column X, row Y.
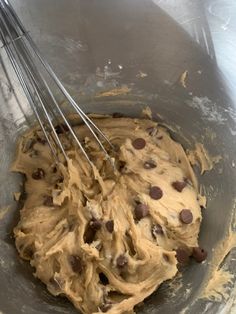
column 106, row 241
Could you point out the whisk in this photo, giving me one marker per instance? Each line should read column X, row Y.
column 25, row 58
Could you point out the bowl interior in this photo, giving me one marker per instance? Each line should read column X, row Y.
column 140, row 58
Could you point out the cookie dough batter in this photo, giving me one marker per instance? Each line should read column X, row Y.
column 106, row 241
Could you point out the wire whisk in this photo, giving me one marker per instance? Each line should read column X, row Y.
column 25, row 58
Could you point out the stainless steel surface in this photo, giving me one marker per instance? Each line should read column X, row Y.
column 140, row 47
column 22, row 53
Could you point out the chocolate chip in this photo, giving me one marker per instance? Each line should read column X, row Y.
column 103, row 279
column 157, row 230
column 95, row 224
column 110, row 226
column 121, row 261
column 199, row 254
column 48, row 200
column 186, row 216
column 141, row 211
column 90, row 232
column 160, row 137
column 139, row 143
column 179, row 185
column 38, row 174
column 117, row 115
column 105, row 307
column 61, row 128
column 89, row 235
column 149, row 164
column 76, row 263
column 155, row 192
column 182, row 256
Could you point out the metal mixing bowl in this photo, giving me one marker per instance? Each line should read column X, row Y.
column 139, row 52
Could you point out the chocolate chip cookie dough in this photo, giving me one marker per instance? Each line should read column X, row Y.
column 106, row 240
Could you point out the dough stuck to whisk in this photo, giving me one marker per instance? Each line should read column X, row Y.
column 107, row 241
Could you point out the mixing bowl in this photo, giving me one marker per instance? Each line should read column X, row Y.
column 121, row 56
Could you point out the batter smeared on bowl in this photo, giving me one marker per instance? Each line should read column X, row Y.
column 105, row 240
